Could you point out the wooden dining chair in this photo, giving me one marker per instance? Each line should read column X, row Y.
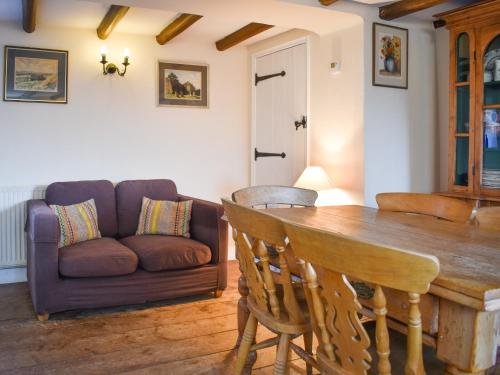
column 345, row 347
column 426, row 204
column 488, row 217
column 272, row 196
column 276, row 307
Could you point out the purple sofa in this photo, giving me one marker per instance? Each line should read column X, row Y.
column 121, row 268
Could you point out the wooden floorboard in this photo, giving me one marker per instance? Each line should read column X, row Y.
column 192, row 335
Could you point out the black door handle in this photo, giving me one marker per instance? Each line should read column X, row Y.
column 300, row 123
column 259, row 154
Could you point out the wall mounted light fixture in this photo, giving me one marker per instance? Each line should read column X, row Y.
column 110, row 68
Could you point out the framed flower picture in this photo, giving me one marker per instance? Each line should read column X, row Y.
column 182, row 85
column 390, row 56
column 35, row 75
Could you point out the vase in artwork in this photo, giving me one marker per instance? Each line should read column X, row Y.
column 390, row 64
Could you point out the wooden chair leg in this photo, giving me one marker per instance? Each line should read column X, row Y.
column 246, row 343
column 308, row 345
column 281, row 363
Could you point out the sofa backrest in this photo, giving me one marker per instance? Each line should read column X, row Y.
column 129, row 200
column 103, row 193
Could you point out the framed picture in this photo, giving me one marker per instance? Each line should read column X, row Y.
column 182, row 85
column 390, row 56
column 35, row 75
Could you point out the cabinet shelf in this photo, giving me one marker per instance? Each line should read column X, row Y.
column 492, row 84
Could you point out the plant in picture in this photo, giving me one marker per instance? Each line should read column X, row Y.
column 391, row 53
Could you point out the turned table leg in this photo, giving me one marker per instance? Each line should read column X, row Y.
column 243, row 314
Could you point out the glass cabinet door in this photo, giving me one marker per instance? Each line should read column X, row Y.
column 462, row 112
column 490, row 176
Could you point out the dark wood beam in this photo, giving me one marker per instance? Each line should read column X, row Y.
column 110, row 20
column 176, row 27
column 327, row 2
column 242, row 34
column 404, row 7
column 30, row 8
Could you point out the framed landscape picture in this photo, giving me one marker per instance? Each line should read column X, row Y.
column 390, row 56
column 182, row 85
column 35, row 75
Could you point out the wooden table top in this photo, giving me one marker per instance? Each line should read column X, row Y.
column 469, row 256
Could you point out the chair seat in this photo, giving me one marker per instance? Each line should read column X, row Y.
column 97, row 258
column 160, row 253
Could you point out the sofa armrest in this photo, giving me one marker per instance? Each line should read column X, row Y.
column 42, row 235
column 207, row 226
column 41, row 223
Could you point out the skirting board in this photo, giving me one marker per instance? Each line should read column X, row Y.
column 12, row 275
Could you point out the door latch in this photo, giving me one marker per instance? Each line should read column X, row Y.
column 300, row 123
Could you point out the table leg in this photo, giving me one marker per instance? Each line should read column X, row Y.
column 243, row 314
column 467, row 339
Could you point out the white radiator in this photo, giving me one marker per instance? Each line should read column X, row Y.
column 12, row 220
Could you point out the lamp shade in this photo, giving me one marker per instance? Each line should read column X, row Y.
column 314, row 178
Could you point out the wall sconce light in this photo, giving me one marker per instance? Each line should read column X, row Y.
column 112, row 68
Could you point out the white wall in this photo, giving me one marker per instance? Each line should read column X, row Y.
column 399, row 126
column 112, row 129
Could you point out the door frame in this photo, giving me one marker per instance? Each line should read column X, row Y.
column 254, row 56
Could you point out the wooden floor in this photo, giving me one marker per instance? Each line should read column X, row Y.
column 183, row 336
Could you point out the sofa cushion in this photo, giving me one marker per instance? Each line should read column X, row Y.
column 95, row 258
column 129, row 196
column 77, row 222
column 165, row 217
column 103, row 193
column 159, row 253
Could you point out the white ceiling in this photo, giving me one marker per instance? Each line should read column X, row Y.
column 221, row 17
column 149, row 17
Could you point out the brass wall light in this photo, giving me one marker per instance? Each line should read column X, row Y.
column 110, row 68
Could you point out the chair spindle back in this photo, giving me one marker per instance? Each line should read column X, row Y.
column 253, row 232
column 343, row 341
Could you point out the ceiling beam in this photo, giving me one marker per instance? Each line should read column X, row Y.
column 404, row 7
column 30, row 8
column 110, row 20
column 176, row 27
column 242, row 34
column 327, row 2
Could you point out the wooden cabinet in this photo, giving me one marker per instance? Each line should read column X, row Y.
column 474, row 130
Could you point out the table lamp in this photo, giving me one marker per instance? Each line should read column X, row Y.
column 314, row 178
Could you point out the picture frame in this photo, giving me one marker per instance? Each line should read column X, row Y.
column 35, row 75
column 389, row 56
column 182, row 84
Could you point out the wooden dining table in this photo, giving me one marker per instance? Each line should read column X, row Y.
column 461, row 312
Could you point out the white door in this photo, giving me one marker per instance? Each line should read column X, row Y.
column 280, row 102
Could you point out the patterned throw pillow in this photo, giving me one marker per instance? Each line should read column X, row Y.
column 165, row 217
column 77, row 222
